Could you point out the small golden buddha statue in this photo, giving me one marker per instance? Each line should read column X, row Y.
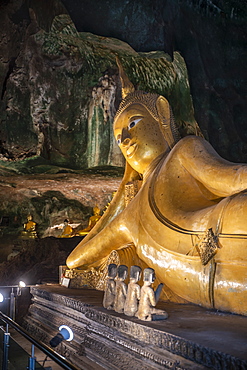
column 91, row 223
column 187, row 220
column 67, row 230
column 149, row 299
column 133, row 292
column 29, row 229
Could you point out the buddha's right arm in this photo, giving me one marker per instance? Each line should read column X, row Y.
column 221, row 177
column 116, row 206
column 112, row 237
column 108, row 234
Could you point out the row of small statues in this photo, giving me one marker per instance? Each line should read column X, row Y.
column 133, row 300
column 67, row 232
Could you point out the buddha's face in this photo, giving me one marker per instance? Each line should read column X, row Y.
column 139, row 137
column 96, row 211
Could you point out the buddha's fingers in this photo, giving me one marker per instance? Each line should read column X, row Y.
column 101, row 245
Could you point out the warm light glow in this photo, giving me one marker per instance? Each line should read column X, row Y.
column 22, row 284
column 61, row 226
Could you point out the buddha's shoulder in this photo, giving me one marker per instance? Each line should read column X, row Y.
column 190, row 142
column 189, row 139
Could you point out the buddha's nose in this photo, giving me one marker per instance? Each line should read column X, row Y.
column 125, row 137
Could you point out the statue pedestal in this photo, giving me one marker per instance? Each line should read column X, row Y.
column 191, row 338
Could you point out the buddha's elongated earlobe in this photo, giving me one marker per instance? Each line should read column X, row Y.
column 127, row 86
column 166, row 121
column 163, row 108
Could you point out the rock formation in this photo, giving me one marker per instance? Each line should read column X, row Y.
column 60, row 88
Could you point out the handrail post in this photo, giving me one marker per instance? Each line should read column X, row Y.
column 6, row 348
column 32, row 359
column 12, row 305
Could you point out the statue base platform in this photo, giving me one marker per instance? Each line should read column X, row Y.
column 191, row 338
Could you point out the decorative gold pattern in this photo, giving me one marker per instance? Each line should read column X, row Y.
column 208, row 246
column 131, row 189
column 96, row 278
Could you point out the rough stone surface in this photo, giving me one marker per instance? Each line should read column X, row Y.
column 211, row 36
column 50, row 198
column 49, row 70
column 38, row 260
column 60, row 88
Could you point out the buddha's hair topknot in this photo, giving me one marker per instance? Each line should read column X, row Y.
column 140, row 97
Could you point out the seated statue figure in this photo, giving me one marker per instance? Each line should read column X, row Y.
column 67, row 230
column 109, row 294
column 29, row 229
column 91, row 223
column 149, row 299
column 187, row 221
column 133, row 292
column 121, row 288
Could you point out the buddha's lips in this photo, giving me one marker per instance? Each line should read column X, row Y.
column 130, row 151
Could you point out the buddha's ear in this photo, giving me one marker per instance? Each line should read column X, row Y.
column 165, row 117
column 163, row 108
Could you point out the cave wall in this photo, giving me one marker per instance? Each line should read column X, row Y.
column 47, row 105
column 211, row 35
column 61, row 89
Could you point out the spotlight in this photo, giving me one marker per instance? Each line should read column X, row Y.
column 65, row 333
column 20, row 285
column 1, row 298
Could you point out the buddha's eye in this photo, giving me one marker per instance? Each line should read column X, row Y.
column 133, row 123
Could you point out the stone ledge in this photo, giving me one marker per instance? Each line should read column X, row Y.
column 105, row 337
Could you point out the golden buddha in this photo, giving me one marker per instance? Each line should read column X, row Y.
column 67, row 231
column 29, row 229
column 187, row 221
column 91, row 223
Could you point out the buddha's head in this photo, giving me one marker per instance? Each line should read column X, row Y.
column 96, row 210
column 143, row 125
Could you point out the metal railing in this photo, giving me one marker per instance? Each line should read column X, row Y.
column 56, row 357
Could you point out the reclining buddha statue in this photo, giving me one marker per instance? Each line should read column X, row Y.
column 188, row 220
